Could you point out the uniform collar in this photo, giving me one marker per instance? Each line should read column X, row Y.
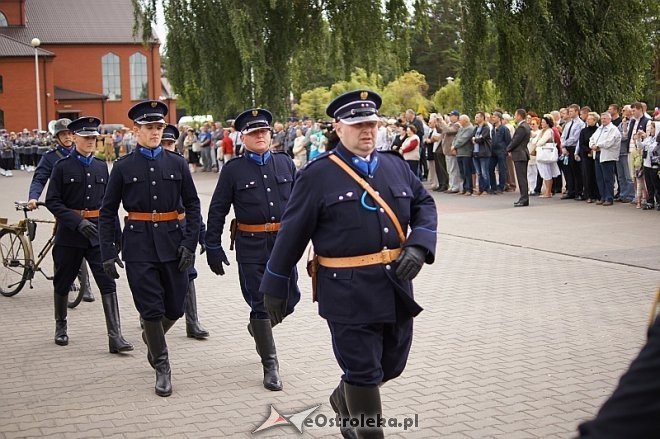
column 150, row 154
column 65, row 151
column 259, row 159
column 366, row 168
column 86, row 161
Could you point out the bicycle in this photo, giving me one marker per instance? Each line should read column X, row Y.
column 18, row 258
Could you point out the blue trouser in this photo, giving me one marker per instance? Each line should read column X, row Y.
column 371, row 354
column 67, row 262
column 250, row 276
column 465, row 168
column 482, row 166
column 498, row 159
column 605, row 179
column 626, row 186
column 159, row 289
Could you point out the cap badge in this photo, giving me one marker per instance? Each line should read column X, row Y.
column 364, row 95
column 153, row 104
column 255, row 113
column 91, row 119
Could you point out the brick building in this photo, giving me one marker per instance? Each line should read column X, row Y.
column 89, row 62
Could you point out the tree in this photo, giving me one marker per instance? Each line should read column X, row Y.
column 314, row 102
column 407, row 91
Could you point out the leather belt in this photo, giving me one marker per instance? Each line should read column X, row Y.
column 382, row 257
column 156, row 217
column 258, row 228
column 88, row 213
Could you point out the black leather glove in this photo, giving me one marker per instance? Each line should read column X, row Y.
column 110, row 269
column 275, row 307
column 216, row 258
column 87, row 229
column 186, row 258
column 410, row 262
column 202, row 248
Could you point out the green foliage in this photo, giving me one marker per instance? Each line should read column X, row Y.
column 407, row 91
column 313, row 102
column 449, row 97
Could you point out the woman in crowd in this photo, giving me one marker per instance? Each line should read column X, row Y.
column 532, row 170
column 410, row 149
column 648, row 144
column 399, row 137
column 547, row 170
column 587, row 159
column 299, row 151
column 317, row 140
column 193, row 156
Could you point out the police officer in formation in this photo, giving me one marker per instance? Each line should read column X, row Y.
column 194, row 328
column 366, row 266
column 258, row 185
column 77, row 186
column 152, row 184
column 63, row 138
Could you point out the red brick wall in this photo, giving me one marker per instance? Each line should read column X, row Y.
column 14, row 10
column 18, row 100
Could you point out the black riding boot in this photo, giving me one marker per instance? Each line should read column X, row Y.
column 263, row 338
column 194, row 329
column 166, row 324
column 116, row 342
column 338, row 403
column 83, row 278
column 61, row 338
column 364, row 400
column 155, row 337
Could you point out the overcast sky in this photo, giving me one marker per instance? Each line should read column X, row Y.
column 161, row 29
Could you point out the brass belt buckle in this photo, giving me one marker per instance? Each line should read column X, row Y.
column 154, row 217
column 269, row 227
column 385, row 256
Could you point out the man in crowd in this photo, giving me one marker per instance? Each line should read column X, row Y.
column 463, row 149
column 277, row 144
column 519, row 153
column 448, row 131
column 626, row 188
column 569, row 141
column 500, row 140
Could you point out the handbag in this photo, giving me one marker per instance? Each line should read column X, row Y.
column 196, row 146
column 547, row 153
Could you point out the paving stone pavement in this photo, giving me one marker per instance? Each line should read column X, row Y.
column 531, row 315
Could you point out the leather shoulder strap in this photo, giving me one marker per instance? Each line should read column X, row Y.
column 363, row 183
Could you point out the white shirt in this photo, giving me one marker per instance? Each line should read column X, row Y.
column 608, row 139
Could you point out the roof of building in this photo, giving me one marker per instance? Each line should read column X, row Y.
column 14, row 48
column 64, row 94
column 96, row 22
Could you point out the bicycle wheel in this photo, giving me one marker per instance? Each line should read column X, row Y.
column 77, row 288
column 13, row 272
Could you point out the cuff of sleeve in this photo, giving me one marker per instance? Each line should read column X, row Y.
column 274, row 284
column 425, row 238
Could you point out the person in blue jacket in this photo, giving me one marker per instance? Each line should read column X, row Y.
column 258, row 185
column 366, row 259
column 152, row 184
column 76, row 190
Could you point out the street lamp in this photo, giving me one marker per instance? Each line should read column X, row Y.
column 36, row 43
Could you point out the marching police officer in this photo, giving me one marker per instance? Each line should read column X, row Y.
column 152, row 184
column 194, row 328
column 63, row 138
column 77, row 186
column 258, row 184
column 356, row 205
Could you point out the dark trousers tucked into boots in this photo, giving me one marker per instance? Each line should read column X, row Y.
column 166, row 324
column 263, row 338
column 116, row 341
column 154, row 335
column 61, row 337
column 364, row 401
column 194, row 329
column 83, row 278
column 338, row 403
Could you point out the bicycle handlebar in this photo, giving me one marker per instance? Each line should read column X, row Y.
column 23, row 205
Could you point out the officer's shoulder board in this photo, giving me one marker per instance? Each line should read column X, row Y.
column 124, row 156
column 318, row 159
column 175, row 152
column 392, row 153
column 233, row 160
